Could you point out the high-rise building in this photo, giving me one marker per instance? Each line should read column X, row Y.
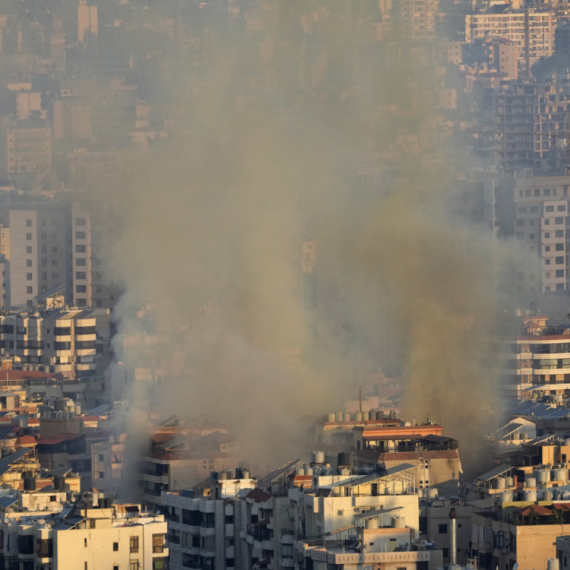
column 418, row 19
column 28, row 150
column 535, row 212
column 532, row 30
column 87, row 21
column 531, row 125
column 38, row 248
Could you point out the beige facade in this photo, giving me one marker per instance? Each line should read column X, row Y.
column 532, row 31
column 28, row 150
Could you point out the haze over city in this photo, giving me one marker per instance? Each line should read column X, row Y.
column 285, row 285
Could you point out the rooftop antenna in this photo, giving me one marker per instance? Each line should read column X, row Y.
column 360, row 398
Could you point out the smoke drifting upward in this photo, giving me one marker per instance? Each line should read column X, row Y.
column 213, row 228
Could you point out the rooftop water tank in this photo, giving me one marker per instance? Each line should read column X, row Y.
column 318, row 456
column 530, row 495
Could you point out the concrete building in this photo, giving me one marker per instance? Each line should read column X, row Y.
column 27, row 150
column 60, row 340
column 92, row 533
column 204, row 526
column 345, row 520
column 531, row 126
column 435, row 527
column 108, row 463
column 523, row 532
column 92, row 231
column 87, row 22
column 380, row 548
column 531, row 29
column 38, row 248
column 539, row 361
column 534, row 210
column 182, row 461
column 418, row 19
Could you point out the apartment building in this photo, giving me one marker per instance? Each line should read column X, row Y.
column 27, row 150
column 369, row 516
column 179, row 462
column 108, row 463
column 87, row 21
column 204, row 527
column 539, row 360
column 520, row 532
column 89, row 534
column 38, row 250
column 531, row 29
column 534, row 210
column 92, row 230
column 531, row 124
column 72, row 342
column 418, row 19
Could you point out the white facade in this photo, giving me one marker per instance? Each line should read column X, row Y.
column 60, row 340
column 204, row 531
column 38, row 246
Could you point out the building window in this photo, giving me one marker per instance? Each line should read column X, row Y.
column 28, row 263
column 558, row 221
column 442, row 529
column 29, row 237
column 134, row 565
column 80, row 262
column 547, row 262
column 101, row 474
column 547, row 248
column 30, row 290
column 158, row 564
column 79, row 221
column 80, row 275
column 157, row 543
column 29, row 276
column 54, row 262
column 134, row 544
column 54, row 249
column 79, row 235
column 81, row 289
column 561, row 208
column 28, row 249
column 520, row 223
column 115, row 546
column 550, row 208
column 560, row 273
column 28, row 223
column 79, row 249
column 559, row 247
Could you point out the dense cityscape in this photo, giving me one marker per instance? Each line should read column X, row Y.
column 285, row 285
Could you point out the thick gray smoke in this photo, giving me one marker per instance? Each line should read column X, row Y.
column 211, row 254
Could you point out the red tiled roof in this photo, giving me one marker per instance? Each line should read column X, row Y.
column 537, row 509
column 90, row 418
column 26, row 439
